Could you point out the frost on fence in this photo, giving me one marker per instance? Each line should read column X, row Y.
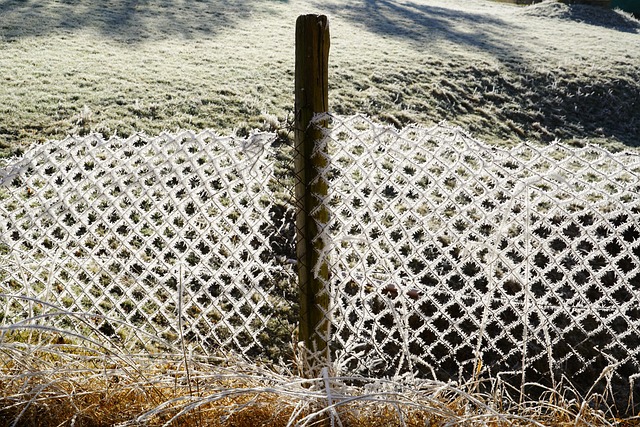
column 129, row 232
column 451, row 259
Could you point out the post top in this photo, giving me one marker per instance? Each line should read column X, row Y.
column 313, row 17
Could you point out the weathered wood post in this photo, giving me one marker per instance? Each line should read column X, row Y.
column 311, row 98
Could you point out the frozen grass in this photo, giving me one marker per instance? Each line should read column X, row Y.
column 51, row 377
column 48, row 378
column 503, row 72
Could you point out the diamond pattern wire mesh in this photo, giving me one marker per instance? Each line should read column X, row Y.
column 449, row 257
column 132, row 231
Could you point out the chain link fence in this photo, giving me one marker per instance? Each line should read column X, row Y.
column 152, row 241
column 447, row 258
column 455, row 260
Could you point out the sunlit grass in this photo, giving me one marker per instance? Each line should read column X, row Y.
column 54, row 377
column 48, row 378
column 500, row 73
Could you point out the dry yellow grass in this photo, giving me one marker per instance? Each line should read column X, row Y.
column 47, row 381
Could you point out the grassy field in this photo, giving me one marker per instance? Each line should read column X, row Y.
column 502, row 72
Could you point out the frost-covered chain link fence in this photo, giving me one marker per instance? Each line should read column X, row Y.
column 452, row 259
column 130, row 232
column 447, row 258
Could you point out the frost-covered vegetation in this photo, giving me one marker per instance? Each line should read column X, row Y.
column 48, row 379
column 504, row 73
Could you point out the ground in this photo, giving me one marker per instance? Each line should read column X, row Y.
column 504, row 73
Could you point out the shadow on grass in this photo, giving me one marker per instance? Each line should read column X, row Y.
column 128, row 21
column 424, row 24
column 592, row 15
column 524, row 99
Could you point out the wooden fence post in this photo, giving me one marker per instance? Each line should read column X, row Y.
column 311, row 97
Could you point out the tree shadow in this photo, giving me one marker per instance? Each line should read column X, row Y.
column 423, row 24
column 584, row 13
column 518, row 97
column 122, row 20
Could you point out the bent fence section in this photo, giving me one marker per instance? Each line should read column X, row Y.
column 447, row 258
